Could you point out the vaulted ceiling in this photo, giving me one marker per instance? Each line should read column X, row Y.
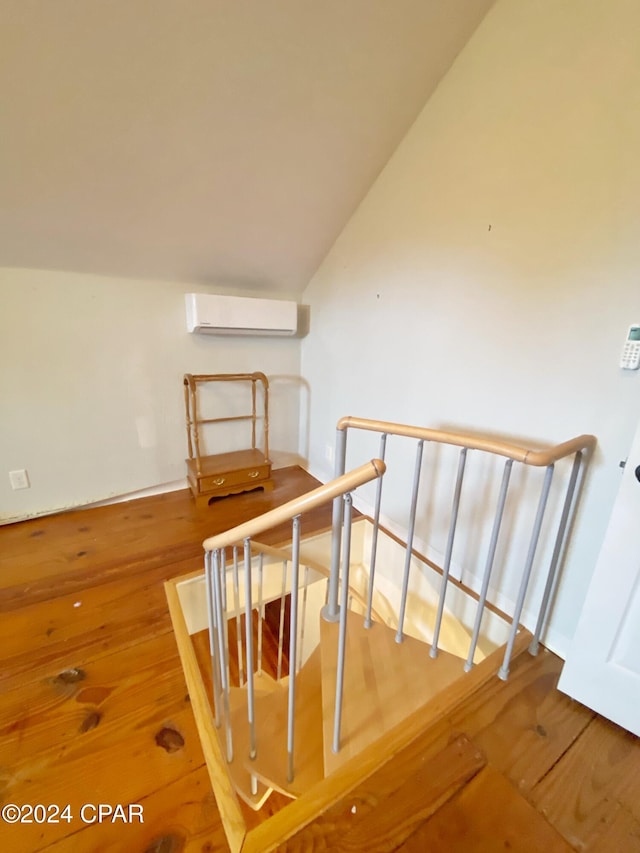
column 222, row 141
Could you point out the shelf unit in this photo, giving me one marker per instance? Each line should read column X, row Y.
column 220, row 474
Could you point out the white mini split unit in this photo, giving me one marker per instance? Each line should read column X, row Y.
column 239, row 315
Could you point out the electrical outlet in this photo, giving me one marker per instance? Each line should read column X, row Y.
column 328, row 453
column 19, row 479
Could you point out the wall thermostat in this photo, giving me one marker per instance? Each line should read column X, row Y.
column 630, row 358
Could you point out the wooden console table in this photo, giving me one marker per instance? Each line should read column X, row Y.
column 220, row 474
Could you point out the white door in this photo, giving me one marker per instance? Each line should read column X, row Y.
column 603, row 667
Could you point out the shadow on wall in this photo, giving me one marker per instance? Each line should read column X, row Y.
column 289, row 402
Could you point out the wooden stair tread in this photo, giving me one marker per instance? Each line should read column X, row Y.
column 237, row 699
column 240, row 775
column 270, row 764
column 384, row 682
column 264, row 683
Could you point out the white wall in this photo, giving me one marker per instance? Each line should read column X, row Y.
column 91, row 386
column 488, row 278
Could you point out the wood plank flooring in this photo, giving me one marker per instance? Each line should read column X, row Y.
column 94, row 709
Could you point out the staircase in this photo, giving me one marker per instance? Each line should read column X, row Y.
column 396, row 679
column 331, row 675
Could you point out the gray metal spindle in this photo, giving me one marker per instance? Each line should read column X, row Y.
column 412, row 524
column 342, row 628
column 374, row 537
column 223, row 574
column 260, row 611
column 281, row 625
column 293, row 639
column 236, row 601
column 330, row 611
column 223, row 571
column 447, row 557
column 217, row 594
column 535, row 535
column 489, row 564
column 557, row 550
column 211, row 619
column 248, row 624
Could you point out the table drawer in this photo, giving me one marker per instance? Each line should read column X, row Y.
column 226, row 479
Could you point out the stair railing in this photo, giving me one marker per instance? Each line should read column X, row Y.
column 578, row 447
column 215, row 584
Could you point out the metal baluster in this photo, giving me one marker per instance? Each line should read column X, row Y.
column 281, row 625
column 248, row 623
column 260, row 611
column 304, row 614
column 223, row 572
column 217, row 595
column 236, row 600
column 374, row 537
column 330, row 611
column 412, row 524
column 293, row 632
column 558, row 547
column 535, row 535
column 502, row 497
column 342, row 635
column 211, row 619
column 447, row 557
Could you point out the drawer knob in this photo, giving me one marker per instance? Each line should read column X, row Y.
column 254, row 474
column 219, row 481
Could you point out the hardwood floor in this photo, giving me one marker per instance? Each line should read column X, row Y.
column 94, row 710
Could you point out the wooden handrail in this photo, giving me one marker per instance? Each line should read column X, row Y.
column 529, row 456
column 323, row 494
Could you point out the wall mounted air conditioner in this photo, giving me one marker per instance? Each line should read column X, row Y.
column 240, row 315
